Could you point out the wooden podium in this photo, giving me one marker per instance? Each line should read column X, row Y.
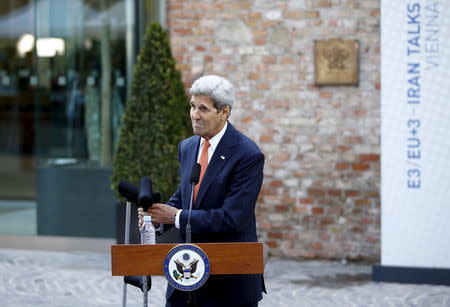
column 224, row 258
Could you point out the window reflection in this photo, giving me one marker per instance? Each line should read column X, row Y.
column 58, row 75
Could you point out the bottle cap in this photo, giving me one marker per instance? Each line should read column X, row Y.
column 147, row 218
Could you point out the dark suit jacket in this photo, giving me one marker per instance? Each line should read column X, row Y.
column 224, row 210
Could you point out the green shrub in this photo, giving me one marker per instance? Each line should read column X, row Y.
column 156, row 119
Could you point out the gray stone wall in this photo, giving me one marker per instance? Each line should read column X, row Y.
column 320, row 196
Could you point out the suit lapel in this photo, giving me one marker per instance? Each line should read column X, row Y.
column 221, row 156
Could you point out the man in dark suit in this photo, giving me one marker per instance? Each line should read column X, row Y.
column 225, row 197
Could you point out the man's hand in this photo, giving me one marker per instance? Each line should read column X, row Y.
column 162, row 213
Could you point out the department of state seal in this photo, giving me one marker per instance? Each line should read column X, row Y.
column 186, row 267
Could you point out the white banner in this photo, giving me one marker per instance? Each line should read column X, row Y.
column 415, row 133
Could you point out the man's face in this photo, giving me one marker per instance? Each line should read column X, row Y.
column 206, row 120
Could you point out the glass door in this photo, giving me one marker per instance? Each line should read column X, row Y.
column 64, row 70
column 17, row 131
column 80, row 79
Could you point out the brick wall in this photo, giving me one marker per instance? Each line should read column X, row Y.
column 320, row 197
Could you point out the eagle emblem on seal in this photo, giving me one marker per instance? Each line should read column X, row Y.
column 185, row 270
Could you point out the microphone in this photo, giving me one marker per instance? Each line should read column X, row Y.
column 146, row 196
column 195, row 173
column 195, row 177
column 128, row 190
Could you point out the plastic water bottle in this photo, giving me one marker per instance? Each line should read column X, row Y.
column 148, row 231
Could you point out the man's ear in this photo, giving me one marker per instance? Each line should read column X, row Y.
column 226, row 112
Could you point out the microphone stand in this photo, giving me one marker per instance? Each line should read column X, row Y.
column 188, row 225
column 194, row 181
column 126, row 241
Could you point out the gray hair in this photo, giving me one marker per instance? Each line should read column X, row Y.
column 219, row 89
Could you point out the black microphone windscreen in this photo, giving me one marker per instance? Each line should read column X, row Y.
column 145, row 192
column 128, row 190
column 195, row 173
column 156, row 197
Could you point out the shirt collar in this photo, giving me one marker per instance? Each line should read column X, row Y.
column 214, row 141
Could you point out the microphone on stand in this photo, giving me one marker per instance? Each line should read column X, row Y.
column 146, row 196
column 195, row 176
column 128, row 190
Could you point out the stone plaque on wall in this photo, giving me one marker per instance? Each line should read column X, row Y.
column 336, row 62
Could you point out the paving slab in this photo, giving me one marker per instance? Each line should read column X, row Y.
column 47, row 278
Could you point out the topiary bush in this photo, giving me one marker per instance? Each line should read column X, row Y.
column 156, row 118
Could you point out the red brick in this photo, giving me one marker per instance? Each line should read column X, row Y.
column 372, row 194
column 326, row 95
column 342, row 148
column 253, row 76
column 275, row 235
column 286, row 60
column 238, row 6
column 321, row 3
column 281, row 208
column 316, row 245
column 270, row 59
column 359, row 113
column 369, row 157
column 332, row 23
column 290, row 236
column 357, row 229
column 200, row 48
column 172, row 7
column 311, row 14
column 342, row 166
column 317, row 210
column 335, row 192
column 327, row 221
column 316, row 192
column 282, row 156
column 351, row 193
column 182, row 66
column 269, row 23
column 292, row 15
column 300, row 175
column 260, row 33
column 335, row 211
column 276, row 183
column 307, row 201
column 288, row 200
column 272, row 244
column 362, row 202
column 183, row 31
column 262, row 86
column 353, row 140
column 366, row 221
column 260, row 41
column 373, row 240
column 254, row 16
column 360, row 166
column 247, row 119
column 300, row 210
column 266, row 139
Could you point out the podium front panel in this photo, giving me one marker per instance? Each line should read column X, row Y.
column 225, row 258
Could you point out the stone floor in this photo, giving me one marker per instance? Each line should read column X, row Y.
column 82, row 278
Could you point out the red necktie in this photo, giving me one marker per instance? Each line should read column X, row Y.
column 204, row 164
